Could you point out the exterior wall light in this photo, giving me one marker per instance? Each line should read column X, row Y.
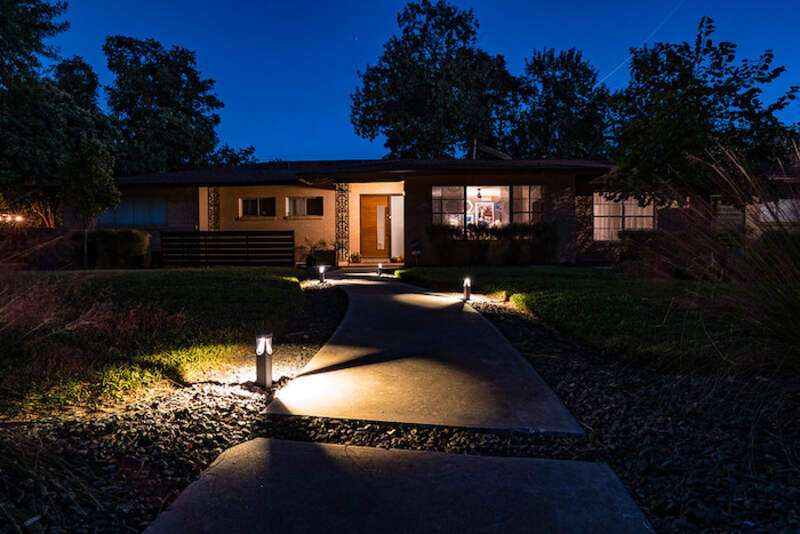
column 321, row 274
column 467, row 289
column 380, row 269
column 264, row 359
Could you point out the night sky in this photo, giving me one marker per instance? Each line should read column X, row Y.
column 285, row 69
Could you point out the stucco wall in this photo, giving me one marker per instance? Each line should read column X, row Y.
column 306, row 228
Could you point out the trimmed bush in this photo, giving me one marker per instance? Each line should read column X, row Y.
column 514, row 244
column 117, row 248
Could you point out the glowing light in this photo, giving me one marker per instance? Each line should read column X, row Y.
column 18, row 218
column 467, row 289
column 321, row 274
column 264, row 360
column 380, row 269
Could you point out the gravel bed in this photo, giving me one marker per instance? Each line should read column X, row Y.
column 115, row 472
column 696, row 453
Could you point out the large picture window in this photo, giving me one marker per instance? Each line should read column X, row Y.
column 303, row 206
column 136, row 211
column 611, row 217
column 448, row 205
column 257, row 207
column 528, row 203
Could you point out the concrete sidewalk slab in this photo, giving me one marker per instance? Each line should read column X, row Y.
column 405, row 355
column 285, row 486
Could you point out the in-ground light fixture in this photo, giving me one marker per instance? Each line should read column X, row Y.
column 467, row 288
column 264, row 359
column 380, row 269
column 321, row 274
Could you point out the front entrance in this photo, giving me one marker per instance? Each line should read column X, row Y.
column 376, row 225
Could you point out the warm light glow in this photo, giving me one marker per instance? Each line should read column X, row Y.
column 18, row 218
column 467, row 282
column 380, row 266
column 264, row 344
column 321, row 269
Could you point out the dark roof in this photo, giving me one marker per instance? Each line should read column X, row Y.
column 285, row 172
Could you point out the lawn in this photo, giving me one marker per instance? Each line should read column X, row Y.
column 84, row 337
column 676, row 325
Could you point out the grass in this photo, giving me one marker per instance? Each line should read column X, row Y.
column 667, row 324
column 94, row 336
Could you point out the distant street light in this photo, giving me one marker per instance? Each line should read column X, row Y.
column 264, row 360
column 467, row 289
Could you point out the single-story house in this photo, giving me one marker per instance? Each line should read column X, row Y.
column 380, row 209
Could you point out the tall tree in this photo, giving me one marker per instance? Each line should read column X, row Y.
column 165, row 109
column 24, row 27
column 562, row 109
column 432, row 92
column 682, row 101
column 76, row 77
column 53, row 152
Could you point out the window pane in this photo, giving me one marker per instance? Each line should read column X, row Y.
column 106, row 219
column 297, row 206
column 314, row 206
column 452, row 206
column 488, row 205
column 249, row 207
column 453, row 192
column 607, row 228
column 123, row 215
column 266, row 207
column 158, row 211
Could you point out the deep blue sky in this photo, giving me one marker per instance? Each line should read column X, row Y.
column 285, row 68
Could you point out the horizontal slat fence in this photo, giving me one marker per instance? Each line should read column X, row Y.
column 227, row 248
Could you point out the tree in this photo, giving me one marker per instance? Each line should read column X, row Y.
column 225, row 156
column 563, row 110
column 432, row 93
column 76, row 77
column 53, row 153
column 24, row 27
column 684, row 100
column 166, row 110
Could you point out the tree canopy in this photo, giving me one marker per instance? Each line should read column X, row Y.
column 562, row 109
column 433, row 92
column 25, row 25
column 77, row 78
column 684, row 99
column 53, row 152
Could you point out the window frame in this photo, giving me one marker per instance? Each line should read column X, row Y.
column 623, row 217
column 534, row 215
column 131, row 202
column 258, row 215
column 290, row 202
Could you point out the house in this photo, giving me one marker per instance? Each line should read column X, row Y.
column 380, row 209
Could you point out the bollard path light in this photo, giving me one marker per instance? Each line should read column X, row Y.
column 467, row 288
column 321, row 274
column 380, row 269
column 264, row 359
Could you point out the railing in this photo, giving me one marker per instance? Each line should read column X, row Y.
column 227, row 248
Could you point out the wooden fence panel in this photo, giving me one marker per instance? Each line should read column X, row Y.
column 227, row 248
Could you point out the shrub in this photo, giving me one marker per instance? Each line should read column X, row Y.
column 518, row 244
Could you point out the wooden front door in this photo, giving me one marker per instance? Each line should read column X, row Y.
column 375, row 226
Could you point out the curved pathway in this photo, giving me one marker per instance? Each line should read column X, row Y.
column 404, row 355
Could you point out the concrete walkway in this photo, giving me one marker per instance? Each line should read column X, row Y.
column 285, row 486
column 404, row 355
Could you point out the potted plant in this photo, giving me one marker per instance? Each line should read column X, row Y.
column 355, row 257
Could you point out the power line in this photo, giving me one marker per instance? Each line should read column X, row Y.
column 652, row 34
